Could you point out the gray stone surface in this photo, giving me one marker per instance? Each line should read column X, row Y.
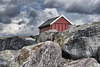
column 46, row 36
column 14, row 43
column 79, row 41
column 48, row 55
column 85, row 62
column 83, row 42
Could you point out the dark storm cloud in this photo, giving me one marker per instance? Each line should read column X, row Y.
column 21, row 22
column 79, row 8
column 5, row 19
column 18, row 16
column 51, row 4
column 85, row 7
column 1, row 2
column 1, row 27
column 9, row 11
column 12, row 11
column 11, row 8
column 97, row 8
column 33, row 13
column 75, row 6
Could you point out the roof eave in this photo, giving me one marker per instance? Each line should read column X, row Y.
column 59, row 18
column 43, row 26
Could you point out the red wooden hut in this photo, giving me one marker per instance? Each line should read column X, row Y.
column 59, row 23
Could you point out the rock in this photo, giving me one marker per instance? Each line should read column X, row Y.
column 34, row 37
column 47, row 54
column 85, row 62
column 31, row 40
column 44, row 54
column 84, row 42
column 78, row 41
column 46, row 36
column 14, row 43
column 98, row 55
column 7, row 56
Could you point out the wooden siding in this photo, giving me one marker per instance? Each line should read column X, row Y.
column 60, row 25
column 44, row 29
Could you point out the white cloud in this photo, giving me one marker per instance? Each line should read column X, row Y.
column 79, row 22
column 15, row 29
column 50, row 13
column 22, row 24
column 94, row 18
column 9, row 29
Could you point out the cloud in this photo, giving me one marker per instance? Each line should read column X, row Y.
column 80, row 19
column 83, row 6
column 94, row 18
column 15, row 29
column 1, row 26
column 79, row 22
column 13, row 21
column 22, row 17
column 75, row 6
column 50, row 12
column 11, row 8
column 5, row 19
column 27, row 23
column 33, row 13
column 52, row 3
column 43, row 15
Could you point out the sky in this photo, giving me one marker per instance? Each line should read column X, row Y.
column 23, row 17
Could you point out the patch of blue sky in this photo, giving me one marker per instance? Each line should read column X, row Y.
column 24, row 7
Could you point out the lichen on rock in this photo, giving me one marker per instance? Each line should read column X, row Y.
column 85, row 62
column 48, row 55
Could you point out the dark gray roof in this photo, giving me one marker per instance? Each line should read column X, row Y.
column 47, row 23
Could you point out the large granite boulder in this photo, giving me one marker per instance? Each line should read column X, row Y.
column 85, row 62
column 45, row 54
column 83, row 42
column 14, row 43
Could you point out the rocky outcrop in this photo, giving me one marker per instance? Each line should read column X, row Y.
column 7, row 56
column 46, row 54
column 14, row 43
column 78, row 41
column 46, row 36
column 79, row 44
column 85, row 62
column 83, row 42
